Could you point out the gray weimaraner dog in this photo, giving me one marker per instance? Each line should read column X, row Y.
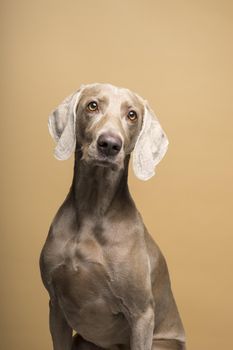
column 106, row 278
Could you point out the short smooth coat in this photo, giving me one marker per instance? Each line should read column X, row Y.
column 106, row 277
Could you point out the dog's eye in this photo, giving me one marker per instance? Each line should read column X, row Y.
column 92, row 106
column 132, row 115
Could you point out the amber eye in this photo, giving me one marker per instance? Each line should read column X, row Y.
column 92, row 106
column 132, row 115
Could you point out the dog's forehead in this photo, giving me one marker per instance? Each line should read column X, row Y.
column 112, row 94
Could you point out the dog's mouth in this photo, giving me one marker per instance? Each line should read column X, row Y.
column 105, row 162
column 96, row 159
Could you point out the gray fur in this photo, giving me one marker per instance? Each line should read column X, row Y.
column 106, row 277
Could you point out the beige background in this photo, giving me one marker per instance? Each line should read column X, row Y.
column 179, row 56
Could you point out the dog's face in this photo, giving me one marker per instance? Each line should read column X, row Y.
column 107, row 123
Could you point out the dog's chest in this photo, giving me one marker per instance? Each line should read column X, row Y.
column 96, row 280
column 81, row 274
column 86, row 267
column 79, row 259
column 83, row 286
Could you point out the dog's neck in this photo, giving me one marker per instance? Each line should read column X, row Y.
column 97, row 190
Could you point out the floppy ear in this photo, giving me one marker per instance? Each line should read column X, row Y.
column 62, row 126
column 150, row 147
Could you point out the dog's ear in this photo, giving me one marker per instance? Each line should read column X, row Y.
column 62, row 126
column 150, row 147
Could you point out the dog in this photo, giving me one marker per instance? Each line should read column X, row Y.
column 106, row 278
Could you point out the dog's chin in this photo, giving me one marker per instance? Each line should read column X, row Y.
column 104, row 162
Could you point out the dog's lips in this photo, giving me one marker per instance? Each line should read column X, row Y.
column 104, row 161
column 99, row 159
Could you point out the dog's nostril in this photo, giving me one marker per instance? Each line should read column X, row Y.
column 103, row 144
column 109, row 145
column 116, row 147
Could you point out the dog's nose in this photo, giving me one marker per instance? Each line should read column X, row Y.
column 109, row 145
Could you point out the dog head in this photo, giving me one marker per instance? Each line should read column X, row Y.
column 106, row 123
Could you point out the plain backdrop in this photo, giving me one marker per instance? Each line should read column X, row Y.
column 179, row 56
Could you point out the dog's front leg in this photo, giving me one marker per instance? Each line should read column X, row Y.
column 60, row 330
column 142, row 330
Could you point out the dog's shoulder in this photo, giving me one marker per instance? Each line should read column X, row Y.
column 157, row 260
